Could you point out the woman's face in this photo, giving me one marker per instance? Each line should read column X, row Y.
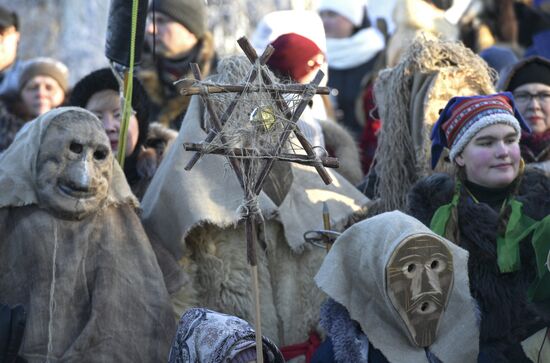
column 533, row 102
column 40, row 94
column 336, row 25
column 492, row 157
column 106, row 106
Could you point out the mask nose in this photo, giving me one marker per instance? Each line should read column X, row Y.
column 425, row 282
column 79, row 177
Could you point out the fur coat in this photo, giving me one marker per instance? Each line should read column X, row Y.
column 507, row 317
column 171, row 109
column 158, row 141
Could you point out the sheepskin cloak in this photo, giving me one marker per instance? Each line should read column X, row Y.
column 193, row 214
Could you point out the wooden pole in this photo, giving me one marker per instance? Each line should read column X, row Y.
column 244, row 153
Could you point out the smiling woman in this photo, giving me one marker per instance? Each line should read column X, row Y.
column 529, row 80
column 43, row 85
column 491, row 209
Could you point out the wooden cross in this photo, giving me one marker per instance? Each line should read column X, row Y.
column 237, row 156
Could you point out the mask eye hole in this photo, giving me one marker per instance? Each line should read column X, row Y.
column 76, row 147
column 100, row 154
column 411, row 267
column 437, row 265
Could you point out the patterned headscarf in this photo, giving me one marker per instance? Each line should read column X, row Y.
column 210, row 337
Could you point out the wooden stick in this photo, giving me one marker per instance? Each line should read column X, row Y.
column 250, row 231
column 326, row 223
column 257, row 315
column 211, row 135
column 221, row 88
column 284, row 136
column 218, row 125
column 282, row 105
column 327, row 161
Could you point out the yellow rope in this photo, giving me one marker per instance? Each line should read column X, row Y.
column 128, row 89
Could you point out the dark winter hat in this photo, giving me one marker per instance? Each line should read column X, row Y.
column 104, row 79
column 531, row 70
column 292, row 52
column 464, row 117
column 8, row 19
column 43, row 66
column 189, row 13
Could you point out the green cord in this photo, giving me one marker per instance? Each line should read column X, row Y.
column 128, row 83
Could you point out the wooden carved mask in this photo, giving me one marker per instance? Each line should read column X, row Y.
column 419, row 280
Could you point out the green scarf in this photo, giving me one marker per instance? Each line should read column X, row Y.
column 518, row 228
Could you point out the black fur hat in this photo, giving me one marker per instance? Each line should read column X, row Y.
column 104, row 79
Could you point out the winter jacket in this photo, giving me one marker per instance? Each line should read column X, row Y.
column 348, row 83
column 140, row 167
column 168, row 105
column 507, row 317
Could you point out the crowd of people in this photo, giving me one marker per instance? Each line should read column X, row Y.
column 431, row 244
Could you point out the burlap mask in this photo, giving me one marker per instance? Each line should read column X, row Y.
column 61, row 161
column 419, row 278
column 74, row 165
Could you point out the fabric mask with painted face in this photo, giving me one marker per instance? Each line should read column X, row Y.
column 74, row 165
column 419, row 279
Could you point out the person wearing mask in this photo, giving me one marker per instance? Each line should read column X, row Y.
column 497, row 210
column 176, row 36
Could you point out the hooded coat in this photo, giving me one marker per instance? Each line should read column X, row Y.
column 89, row 282
column 507, row 317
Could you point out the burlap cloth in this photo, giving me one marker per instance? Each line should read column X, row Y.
column 92, row 288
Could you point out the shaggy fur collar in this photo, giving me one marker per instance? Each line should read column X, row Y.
column 173, row 109
column 348, row 341
column 507, row 317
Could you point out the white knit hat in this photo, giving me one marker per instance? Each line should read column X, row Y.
column 353, row 10
column 302, row 22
